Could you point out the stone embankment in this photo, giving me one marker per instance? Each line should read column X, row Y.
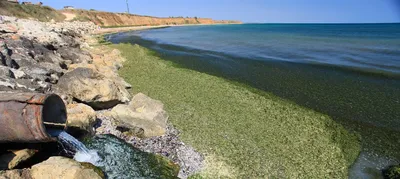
column 65, row 59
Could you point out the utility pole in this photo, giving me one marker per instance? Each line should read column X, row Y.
column 127, row 6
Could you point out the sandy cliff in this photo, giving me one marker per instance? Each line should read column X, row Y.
column 123, row 19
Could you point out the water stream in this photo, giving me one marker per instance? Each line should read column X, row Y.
column 83, row 154
column 118, row 159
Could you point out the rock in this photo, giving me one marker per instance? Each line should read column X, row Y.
column 62, row 168
column 11, row 73
column 8, row 28
column 14, row 158
column 75, row 55
column 5, row 71
column 52, row 68
column 31, row 85
column 7, row 83
column 96, row 169
column 15, row 174
column 52, row 58
column 36, row 72
column 143, row 112
column 18, row 74
column 81, row 116
column 92, row 88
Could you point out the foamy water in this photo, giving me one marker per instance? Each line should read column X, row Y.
column 83, row 154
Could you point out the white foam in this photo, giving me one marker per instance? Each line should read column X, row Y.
column 90, row 157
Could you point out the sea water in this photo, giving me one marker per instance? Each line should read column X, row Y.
column 349, row 71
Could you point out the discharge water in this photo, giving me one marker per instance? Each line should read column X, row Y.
column 118, row 159
column 83, row 154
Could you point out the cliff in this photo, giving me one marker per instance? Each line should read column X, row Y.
column 108, row 19
column 41, row 13
column 104, row 19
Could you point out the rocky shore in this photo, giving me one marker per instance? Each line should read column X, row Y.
column 66, row 59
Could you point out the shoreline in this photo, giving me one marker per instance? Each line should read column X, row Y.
column 381, row 142
column 112, row 30
column 240, row 130
column 177, row 94
column 68, row 60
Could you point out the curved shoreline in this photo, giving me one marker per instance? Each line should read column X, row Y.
column 198, row 104
column 376, row 140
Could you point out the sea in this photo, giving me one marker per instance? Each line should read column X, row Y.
column 350, row 72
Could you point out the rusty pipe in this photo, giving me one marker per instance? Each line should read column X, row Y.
column 30, row 117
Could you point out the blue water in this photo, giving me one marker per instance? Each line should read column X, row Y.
column 373, row 47
column 349, row 71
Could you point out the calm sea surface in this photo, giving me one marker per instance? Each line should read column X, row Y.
column 348, row 71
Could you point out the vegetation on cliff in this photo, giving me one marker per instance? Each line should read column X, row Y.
column 41, row 13
column 104, row 19
column 243, row 132
column 108, row 19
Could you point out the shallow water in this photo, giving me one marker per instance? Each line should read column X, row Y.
column 350, row 72
column 120, row 160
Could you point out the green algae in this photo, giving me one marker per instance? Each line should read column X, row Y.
column 243, row 131
column 121, row 160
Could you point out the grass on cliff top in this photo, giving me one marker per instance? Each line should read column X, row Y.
column 41, row 13
column 243, row 132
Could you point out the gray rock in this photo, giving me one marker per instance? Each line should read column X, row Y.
column 7, row 83
column 18, row 74
column 11, row 73
column 30, row 84
column 6, row 72
column 52, row 68
column 75, row 55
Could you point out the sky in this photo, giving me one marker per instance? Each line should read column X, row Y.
column 258, row 11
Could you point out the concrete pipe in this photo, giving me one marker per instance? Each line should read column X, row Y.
column 31, row 117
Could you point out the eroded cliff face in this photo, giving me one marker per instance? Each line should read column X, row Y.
column 122, row 19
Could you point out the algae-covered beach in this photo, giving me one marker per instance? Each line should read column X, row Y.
column 325, row 68
column 243, row 132
column 207, row 89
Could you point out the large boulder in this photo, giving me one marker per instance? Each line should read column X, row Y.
column 63, row 168
column 81, row 116
column 142, row 112
column 90, row 87
column 12, row 159
column 75, row 55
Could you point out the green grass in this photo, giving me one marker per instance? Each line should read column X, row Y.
column 81, row 18
column 41, row 13
column 243, row 132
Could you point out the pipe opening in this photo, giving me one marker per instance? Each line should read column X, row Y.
column 54, row 115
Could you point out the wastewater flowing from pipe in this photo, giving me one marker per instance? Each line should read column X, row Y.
column 83, row 154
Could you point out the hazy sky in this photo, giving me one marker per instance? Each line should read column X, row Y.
column 252, row 10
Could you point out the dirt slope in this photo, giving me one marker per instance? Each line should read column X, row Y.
column 41, row 13
column 108, row 19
